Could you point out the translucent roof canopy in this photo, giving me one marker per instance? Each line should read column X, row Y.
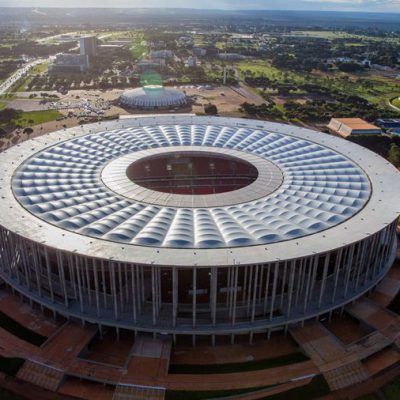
column 310, row 188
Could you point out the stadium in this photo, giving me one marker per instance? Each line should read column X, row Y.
column 187, row 225
column 153, row 97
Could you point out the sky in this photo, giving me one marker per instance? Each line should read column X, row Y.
column 336, row 5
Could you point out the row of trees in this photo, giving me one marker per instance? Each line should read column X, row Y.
column 264, row 110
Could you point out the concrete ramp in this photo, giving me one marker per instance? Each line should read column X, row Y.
column 136, row 392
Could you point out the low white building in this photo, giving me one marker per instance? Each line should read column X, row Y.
column 66, row 62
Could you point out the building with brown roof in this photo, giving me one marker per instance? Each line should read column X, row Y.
column 352, row 126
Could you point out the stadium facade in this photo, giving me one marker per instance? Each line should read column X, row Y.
column 195, row 225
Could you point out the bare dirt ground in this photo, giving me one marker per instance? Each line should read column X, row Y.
column 227, row 100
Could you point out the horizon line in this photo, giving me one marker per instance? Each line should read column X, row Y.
column 199, row 9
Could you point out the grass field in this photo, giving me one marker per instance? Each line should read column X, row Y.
column 204, row 395
column 374, row 88
column 331, row 35
column 396, row 102
column 328, row 34
column 264, row 68
column 315, row 389
column 392, row 390
column 32, row 118
column 37, row 117
column 6, row 395
column 139, row 46
column 237, row 367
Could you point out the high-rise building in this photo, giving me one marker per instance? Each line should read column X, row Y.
column 88, row 45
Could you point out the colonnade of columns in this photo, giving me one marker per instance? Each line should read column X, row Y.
column 194, row 299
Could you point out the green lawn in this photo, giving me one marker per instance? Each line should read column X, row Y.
column 237, row 367
column 37, row 117
column 392, row 390
column 328, row 34
column 31, row 118
column 6, row 395
column 139, row 46
column 368, row 397
column 317, row 388
column 376, row 89
column 342, row 35
column 396, row 102
column 264, row 68
column 211, row 394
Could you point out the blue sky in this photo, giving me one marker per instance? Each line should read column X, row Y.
column 345, row 5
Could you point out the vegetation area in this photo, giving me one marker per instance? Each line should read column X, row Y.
column 237, row 367
column 6, row 395
column 396, row 102
column 386, row 146
column 392, row 390
column 315, row 389
column 20, row 331
column 139, row 46
column 211, row 394
column 312, row 97
column 318, row 387
column 11, row 119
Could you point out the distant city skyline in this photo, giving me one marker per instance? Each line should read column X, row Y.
column 317, row 5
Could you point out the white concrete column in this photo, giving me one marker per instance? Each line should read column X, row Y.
column 194, row 297
column 175, row 286
column 96, row 287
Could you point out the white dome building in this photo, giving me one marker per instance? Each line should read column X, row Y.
column 152, row 97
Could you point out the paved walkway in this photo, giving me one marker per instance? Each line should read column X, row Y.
column 339, row 368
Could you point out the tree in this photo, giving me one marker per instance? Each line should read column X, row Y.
column 210, row 109
column 350, row 67
column 394, row 154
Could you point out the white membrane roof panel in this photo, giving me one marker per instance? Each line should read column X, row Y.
column 315, row 187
